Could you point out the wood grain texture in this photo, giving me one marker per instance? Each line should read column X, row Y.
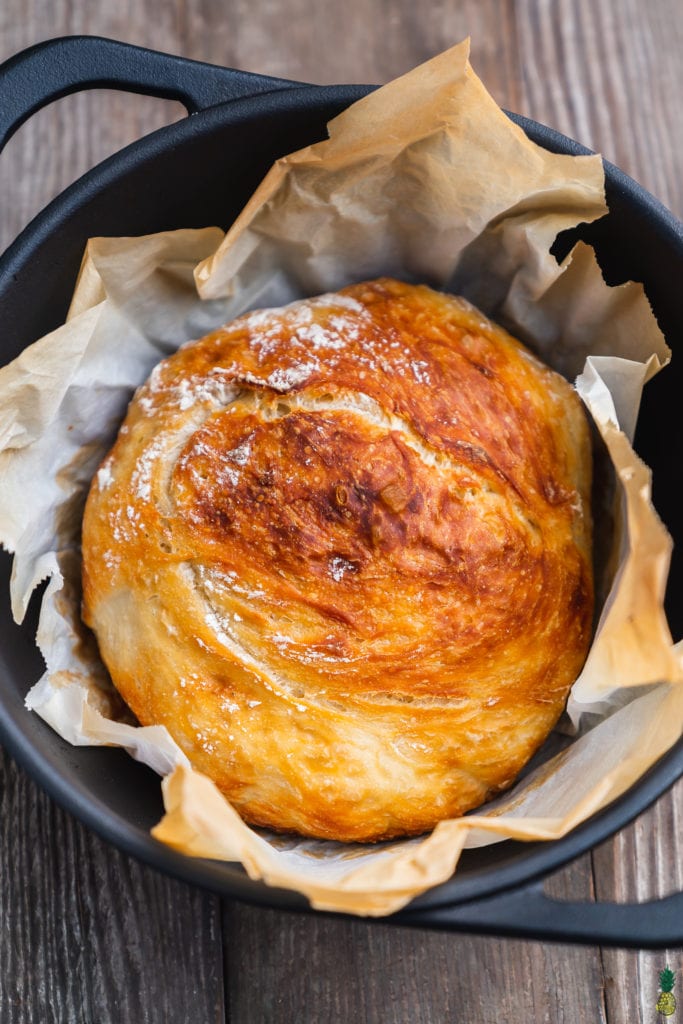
column 316, row 970
column 610, row 75
column 641, row 863
column 88, row 935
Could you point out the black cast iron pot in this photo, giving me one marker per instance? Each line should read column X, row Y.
column 198, row 172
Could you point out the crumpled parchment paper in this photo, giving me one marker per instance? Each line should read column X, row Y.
column 426, row 180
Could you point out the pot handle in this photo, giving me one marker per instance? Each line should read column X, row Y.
column 528, row 913
column 45, row 72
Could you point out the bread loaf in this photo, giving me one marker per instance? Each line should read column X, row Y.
column 342, row 551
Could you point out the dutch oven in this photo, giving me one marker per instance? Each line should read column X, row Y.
column 239, row 124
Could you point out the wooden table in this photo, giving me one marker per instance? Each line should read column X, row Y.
column 88, row 935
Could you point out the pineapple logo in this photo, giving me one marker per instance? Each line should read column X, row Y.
column 666, row 1004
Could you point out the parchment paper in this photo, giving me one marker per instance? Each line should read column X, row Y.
column 426, row 180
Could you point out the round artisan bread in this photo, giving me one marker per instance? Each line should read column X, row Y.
column 342, row 551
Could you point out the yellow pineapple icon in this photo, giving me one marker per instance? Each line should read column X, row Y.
column 666, row 1003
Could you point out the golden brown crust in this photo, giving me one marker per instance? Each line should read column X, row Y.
column 342, row 551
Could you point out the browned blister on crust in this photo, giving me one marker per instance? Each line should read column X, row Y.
column 342, row 551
